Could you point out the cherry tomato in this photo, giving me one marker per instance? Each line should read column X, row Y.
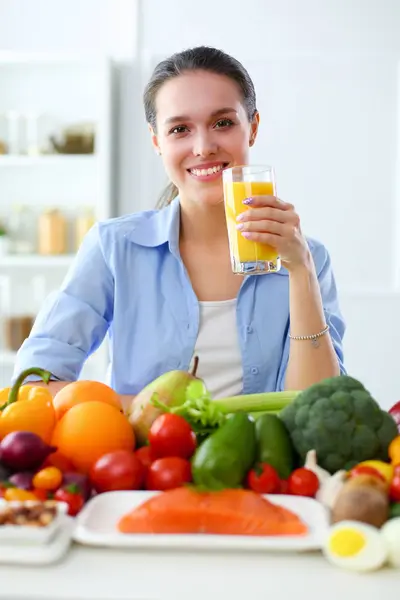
column 118, row 470
column 284, row 486
column 263, row 479
column 49, row 478
column 168, row 473
column 146, row 456
column 303, row 482
column 72, row 497
column 366, row 470
column 394, row 490
column 171, row 435
column 41, row 495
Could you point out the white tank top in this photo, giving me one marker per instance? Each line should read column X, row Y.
column 217, row 346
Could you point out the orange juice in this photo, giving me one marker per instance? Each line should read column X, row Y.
column 243, row 251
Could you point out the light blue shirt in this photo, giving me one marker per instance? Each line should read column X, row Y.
column 129, row 282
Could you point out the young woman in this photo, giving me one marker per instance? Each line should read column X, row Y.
column 160, row 282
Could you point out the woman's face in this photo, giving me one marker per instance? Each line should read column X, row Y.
column 202, row 128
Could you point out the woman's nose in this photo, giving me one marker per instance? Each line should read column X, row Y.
column 204, row 145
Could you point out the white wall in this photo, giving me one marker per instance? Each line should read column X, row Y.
column 327, row 76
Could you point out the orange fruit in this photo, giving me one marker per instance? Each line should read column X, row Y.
column 84, row 391
column 89, row 430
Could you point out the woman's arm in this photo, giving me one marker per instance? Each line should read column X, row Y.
column 308, row 362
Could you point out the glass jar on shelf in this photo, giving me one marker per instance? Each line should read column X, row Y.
column 21, row 227
column 52, row 232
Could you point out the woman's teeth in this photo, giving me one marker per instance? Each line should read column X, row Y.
column 204, row 172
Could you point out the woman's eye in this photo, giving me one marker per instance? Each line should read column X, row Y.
column 179, row 129
column 223, row 123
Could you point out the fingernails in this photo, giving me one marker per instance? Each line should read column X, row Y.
column 246, row 234
column 248, row 201
column 240, row 226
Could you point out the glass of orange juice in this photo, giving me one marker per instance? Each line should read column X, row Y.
column 248, row 257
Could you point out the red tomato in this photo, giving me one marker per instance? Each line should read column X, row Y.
column 146, row 456
column 263, row 479
column 303, row 482
column 394, row 490
column 284, row 486
column 366, row 470
column 72, row 497
column 171, row 435
column 118, row 470
column 168, row 473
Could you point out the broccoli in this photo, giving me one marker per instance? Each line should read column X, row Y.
column 341, row 421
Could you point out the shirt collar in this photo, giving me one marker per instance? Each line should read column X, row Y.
column 160, row 227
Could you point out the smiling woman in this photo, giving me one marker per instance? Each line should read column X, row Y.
column 160, row 282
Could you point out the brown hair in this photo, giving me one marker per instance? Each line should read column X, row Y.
column 194, row 59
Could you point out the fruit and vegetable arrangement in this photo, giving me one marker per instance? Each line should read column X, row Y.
column 210, row 457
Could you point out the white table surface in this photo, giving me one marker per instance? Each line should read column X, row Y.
column 102, row 574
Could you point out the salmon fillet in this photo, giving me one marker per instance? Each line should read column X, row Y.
column 226, row 512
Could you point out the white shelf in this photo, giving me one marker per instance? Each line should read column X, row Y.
column 46, row 160
column 36, row 260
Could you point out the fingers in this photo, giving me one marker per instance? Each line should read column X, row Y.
column 265, row 213
column 264, row 238
column 263, row 226
column 273, row 201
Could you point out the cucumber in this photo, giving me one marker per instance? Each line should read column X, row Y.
column 274, row 445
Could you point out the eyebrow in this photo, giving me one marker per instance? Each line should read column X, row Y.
column 215, row 113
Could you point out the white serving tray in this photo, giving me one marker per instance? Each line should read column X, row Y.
column 41, row 554
column 96, row 525
column 27, row 535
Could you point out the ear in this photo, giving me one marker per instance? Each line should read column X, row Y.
column 254, row 128
column 154, row 139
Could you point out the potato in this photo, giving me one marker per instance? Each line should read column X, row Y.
column 365, row 502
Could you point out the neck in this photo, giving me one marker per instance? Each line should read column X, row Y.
column 203, row 224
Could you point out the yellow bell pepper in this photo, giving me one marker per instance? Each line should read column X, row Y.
column 385, row 469
column 28, row 408
column 17, row 495
column 394, row 451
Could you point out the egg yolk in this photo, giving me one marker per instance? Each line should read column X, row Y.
column 346, row 542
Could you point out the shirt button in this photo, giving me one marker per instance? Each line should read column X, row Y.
column 254, row 370
column 249, row 329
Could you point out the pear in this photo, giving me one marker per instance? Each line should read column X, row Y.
column 171, row 390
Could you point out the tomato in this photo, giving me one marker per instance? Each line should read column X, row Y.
column 49, row 478
column 118, row 470
column 303, row 482
column 41, row 495
column 263, row 479
column 394, row 490
column 171, row 435
column 366, row 470
column 55, row 459
column 284, row 486
column 72, row 497
column 146, row 456
column 168, row 473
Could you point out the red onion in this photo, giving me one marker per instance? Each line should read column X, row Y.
column 80, row 480
column 22, row 480
column 23, row 451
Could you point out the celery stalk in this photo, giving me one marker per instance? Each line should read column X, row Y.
column 251, row 403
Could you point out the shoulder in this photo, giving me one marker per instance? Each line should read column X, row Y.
column 319, row 253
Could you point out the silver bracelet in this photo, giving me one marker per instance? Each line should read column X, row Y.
column 312, row 338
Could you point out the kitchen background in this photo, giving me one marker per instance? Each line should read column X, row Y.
column 74, row 146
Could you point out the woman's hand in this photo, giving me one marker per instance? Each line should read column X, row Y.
column 271, row 221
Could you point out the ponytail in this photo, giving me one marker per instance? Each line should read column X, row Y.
column 167, row 196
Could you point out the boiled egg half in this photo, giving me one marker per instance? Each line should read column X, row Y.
column 391, row 534
column 356, row 546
